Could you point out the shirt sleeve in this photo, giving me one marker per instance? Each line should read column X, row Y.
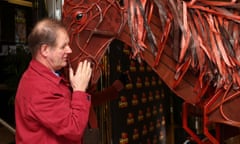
column 65, row 117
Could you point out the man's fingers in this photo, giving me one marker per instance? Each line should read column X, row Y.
column 79, row 68
column 88, row 66
column 89, row 70
column 84, row 67
column 81, row 77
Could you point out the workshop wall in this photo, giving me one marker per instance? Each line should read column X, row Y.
column 139, row 115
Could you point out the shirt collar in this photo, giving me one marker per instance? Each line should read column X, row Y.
column 45, row 72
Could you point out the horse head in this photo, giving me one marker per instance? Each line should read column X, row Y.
column 92, row 25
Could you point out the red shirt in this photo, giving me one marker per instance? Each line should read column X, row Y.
column 46, row 111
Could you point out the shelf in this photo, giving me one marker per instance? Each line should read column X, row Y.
column 20, row 2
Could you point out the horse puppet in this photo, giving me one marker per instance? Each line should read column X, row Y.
column 192, row 45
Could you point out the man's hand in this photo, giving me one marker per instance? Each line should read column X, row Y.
column 80, row 79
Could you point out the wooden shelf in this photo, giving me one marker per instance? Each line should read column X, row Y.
column 20, row 2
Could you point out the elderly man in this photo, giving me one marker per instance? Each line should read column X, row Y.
column 48, row 108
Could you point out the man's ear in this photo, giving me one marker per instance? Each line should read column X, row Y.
column 44, row 50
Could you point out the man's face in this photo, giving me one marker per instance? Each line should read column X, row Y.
column 58, row 55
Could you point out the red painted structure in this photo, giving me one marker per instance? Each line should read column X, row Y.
column 161, row 35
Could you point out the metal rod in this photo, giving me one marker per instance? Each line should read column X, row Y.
column 11, row 129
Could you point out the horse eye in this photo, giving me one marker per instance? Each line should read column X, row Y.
column 79, row 16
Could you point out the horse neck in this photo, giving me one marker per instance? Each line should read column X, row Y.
column 125, row 36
